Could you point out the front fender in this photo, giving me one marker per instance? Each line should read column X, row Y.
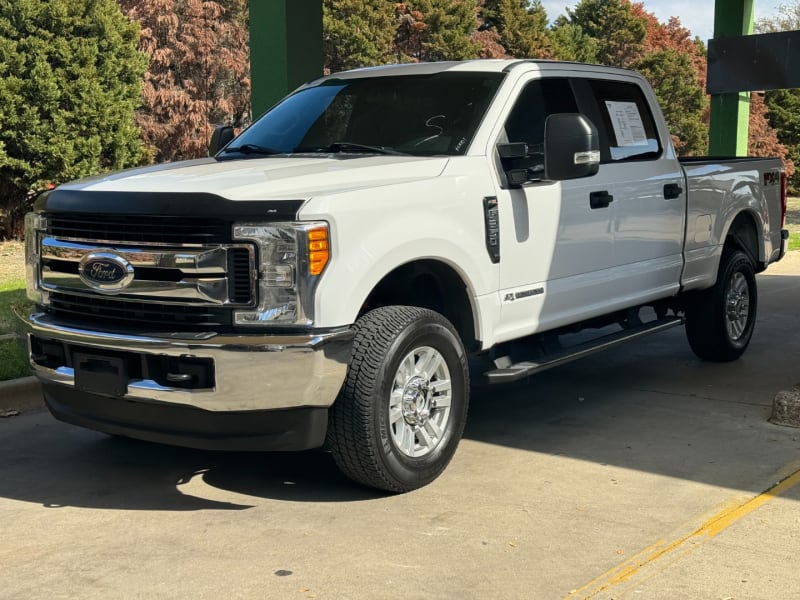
column 376, row 231
column 350, row 280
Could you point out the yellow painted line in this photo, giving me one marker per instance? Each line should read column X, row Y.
column 713, row 526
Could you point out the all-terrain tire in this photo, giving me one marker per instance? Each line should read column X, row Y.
column 402, row 409
column 721, row 319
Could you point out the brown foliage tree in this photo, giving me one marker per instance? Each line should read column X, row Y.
column 763, row 139
column 672, row 35
column 198, row 73
column 489, row 42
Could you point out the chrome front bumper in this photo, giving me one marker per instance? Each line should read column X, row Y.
column 250, row 372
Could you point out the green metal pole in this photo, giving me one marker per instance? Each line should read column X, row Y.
column 730, row 113
column 285, row 48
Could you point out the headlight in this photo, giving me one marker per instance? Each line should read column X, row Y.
column 291, row 257
column 35, row 225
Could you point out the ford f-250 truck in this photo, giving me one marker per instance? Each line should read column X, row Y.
column 322, row 279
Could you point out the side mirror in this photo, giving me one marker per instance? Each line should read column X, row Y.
column 571, row 147
column 220, row 138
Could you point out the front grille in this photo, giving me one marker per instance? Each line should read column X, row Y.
column 189, row 274
column 101, row 311
column 139, row 229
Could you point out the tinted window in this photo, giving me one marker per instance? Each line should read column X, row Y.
column 540, row 99
column 537, row 101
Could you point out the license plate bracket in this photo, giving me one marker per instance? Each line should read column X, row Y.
column 100, row 374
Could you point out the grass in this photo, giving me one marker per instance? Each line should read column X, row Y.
column 13, row 360
column 13, row 356
column 793, row 222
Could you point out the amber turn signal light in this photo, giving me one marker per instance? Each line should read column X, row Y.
column 318, row 250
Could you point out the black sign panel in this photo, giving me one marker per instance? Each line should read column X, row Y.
column 747, row 63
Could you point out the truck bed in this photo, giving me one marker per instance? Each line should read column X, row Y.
column 718, row 190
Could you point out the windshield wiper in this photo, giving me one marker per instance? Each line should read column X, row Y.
column 253, row 149
column 345, row 146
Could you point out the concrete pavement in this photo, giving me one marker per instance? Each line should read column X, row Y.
column 22, row 394
column 638, row 473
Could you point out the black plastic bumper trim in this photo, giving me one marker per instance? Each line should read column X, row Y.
column 272, row 430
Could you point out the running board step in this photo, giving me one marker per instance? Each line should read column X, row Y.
column 523, row 369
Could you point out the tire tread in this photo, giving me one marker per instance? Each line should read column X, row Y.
column 705, row 325
column 352, row 418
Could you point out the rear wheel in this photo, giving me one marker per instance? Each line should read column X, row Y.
column 720, row 320
column 401, row 412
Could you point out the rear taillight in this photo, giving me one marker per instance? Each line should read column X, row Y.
column 783, row 200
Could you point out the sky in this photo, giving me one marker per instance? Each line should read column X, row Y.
column 696, row 15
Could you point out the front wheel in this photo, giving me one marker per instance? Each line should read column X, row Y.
column 401, row 412
column 721, row 319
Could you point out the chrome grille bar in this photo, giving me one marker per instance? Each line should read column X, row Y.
column 193, row 274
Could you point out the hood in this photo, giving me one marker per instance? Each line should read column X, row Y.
column 266, row 178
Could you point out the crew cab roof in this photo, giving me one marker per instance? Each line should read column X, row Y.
column 493, row 65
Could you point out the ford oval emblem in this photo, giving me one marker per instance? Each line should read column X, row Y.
column 105, row 271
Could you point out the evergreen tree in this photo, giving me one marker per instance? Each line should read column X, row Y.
column 675, row 65
column 357, row 33
column 619, row 34
column 682, row 100
column 521, row 26
column 570, row 42
column 429, row 30
column 70, row 81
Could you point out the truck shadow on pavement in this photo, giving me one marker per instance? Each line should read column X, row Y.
column 652, row 406
column 60, row 465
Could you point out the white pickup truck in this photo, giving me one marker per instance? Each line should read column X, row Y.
column 322, row 279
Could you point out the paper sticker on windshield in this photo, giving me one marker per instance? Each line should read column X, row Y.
column 627, row 123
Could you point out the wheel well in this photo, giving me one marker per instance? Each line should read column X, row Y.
column 427, row 284
column 744, row 236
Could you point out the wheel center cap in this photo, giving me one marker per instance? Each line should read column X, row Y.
column 417, row 401
column 737, row 309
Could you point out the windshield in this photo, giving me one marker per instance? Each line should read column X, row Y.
column 418, row 115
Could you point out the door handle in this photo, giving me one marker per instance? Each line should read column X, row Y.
column 672, row 190
column 600, row 199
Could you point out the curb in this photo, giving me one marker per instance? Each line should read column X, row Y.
column 22, row 394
